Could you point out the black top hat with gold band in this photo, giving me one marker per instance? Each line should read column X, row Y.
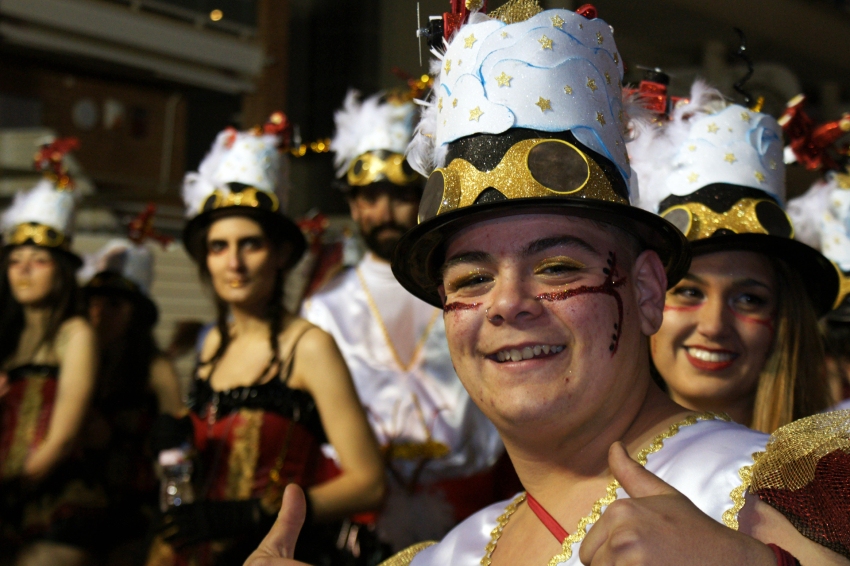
column 244, row 174
column 526, row 118
column 715, row 170
column 44, row 216
column 370, row 139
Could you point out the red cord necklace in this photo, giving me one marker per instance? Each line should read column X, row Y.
column 548, row 520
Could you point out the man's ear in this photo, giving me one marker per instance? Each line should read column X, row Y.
column 355, row 210
column 650, row 282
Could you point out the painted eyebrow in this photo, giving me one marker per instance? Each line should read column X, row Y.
column 548, row 243
column 465, row 257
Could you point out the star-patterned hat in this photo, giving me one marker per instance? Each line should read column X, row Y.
column 245, row 173
column 715, row 171
column 526, row 116
column 44, row 215
column 370, row 140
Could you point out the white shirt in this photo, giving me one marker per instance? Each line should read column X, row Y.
column 703, row 461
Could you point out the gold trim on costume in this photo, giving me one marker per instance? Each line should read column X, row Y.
column 610, row 494
column 245, row 451
column 39, row 234
column 371, row 167
column 25, row 429
column 701, row 222
column 406, row 556
column 463, row 183
column 843, row 287
column 376, row 313
column 739, row 495
column 516, row 11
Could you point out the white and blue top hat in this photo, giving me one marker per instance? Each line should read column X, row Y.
column 525, row 116
column 715, row 170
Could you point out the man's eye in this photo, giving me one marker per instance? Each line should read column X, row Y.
column 469, row 281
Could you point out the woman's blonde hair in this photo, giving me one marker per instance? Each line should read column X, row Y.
column 793, row 383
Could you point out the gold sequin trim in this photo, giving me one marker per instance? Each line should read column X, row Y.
column 608, row 499
column 25, row 430
column 739, row 495
column 501, row 522
column 242, row 463
column 516, row 11
column 406, row 556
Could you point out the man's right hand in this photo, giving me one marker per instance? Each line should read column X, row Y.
column 278, row 548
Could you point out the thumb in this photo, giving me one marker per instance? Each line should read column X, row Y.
column 281, row 539
column 634, row 478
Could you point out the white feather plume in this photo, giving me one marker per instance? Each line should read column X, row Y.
column 655, row 143
column 197, row 186
column 369, row 125
column 423, row 154
column 43, row 204
column 808, row 210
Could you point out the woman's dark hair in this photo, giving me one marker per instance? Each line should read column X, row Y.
column 275, row 311
column 62, row 301
column 128, row 379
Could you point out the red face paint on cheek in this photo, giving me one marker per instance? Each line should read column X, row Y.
column 457, row 306
column 609, row 287
column 766, row 322
column 690, row 308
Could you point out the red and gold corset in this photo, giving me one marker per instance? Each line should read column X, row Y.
column 253, row 441
column 25, row 414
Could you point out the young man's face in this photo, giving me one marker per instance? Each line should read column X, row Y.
column 546, row 318
column 384, row 212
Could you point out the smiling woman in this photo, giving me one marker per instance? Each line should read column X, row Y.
column 740, row 332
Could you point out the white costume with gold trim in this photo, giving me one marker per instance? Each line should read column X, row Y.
column 706, row 461
column 419, row 410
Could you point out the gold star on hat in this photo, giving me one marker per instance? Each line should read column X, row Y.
column 448, row 66
column 760, row 176
column 558, row 22
column 599, row 39
column 545, row 42
column 745, row 116
column 475, row 114
column 607, row 78
column 730, row 157
column 591, row 84
column 469, row 41
column 568, row 89
column 693, row 177
column 713, row 128
column 600, row 118
column 504, row 79
column 544, row 104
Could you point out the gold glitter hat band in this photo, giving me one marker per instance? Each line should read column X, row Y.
column 747, row 216
column 530, row 168
column 43, row 236
column 375, row 166
column 242, row 196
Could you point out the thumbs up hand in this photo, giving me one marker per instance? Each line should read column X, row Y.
column 278, row 548
column 659, row 526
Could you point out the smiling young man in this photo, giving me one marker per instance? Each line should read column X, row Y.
column 551, row 285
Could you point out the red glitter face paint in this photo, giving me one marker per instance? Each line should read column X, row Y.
column 766, row 322
column 689, row 308
column 452, row 307
column 608, row 287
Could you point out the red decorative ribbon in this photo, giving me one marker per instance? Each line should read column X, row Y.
column 783, row 557
column 548, row 520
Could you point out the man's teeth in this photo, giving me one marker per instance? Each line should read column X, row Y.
column 527, row 353
column 708, row 356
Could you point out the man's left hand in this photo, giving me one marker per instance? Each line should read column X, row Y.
column 660, row 526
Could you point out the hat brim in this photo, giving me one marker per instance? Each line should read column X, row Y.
column 289, row 231
column 819, row 275
column 149, row 310
column 76, row 261
column 419, row 254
